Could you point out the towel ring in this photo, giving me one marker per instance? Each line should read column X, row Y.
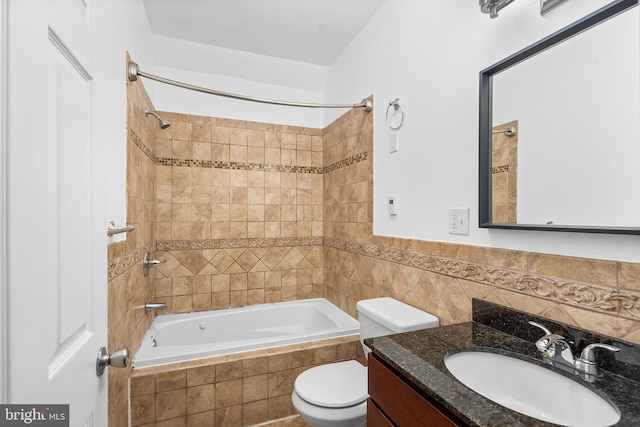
column 396, row 107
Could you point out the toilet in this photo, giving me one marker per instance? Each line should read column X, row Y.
column 335, row 394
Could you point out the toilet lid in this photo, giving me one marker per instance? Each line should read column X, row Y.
column 335, row 385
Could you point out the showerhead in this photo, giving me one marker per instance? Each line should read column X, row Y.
column 163, row 123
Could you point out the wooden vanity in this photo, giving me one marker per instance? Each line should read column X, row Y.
column 410, row 385
column 393, row 402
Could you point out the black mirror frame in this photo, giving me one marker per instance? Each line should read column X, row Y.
column 486, row 108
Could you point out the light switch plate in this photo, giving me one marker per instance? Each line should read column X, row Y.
column 393, row 142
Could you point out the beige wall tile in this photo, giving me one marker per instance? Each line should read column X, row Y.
column 229, row 416
column 201, row 398
column 228, row 393
column 598, row 272
column 171, row 404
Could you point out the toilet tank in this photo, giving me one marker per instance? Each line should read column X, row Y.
column 386, row 316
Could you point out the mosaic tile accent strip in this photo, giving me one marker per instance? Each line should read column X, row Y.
column 169, row 245
column 123, row 263
column 607, row 300
column 256, row 167
column 500, row 169
column 141, row 145
column 351, row 160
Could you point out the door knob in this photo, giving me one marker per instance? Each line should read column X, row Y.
column 117, row 359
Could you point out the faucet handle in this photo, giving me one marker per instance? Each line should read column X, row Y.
column 587, row 354
column 538, row 325
column 552, row 345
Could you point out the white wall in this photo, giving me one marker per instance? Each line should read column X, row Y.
column 175, row 99
column 429, row 55
column 240, row 73
column 120, row 26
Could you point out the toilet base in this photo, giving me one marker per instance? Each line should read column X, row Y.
column 317, row 416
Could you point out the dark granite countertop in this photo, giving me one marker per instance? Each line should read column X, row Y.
column 419, row 357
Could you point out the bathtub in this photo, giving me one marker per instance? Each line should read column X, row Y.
column 183, row 337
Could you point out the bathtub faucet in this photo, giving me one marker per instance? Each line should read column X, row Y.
column 153, row 306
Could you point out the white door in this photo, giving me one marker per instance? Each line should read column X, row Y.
column 56, row 244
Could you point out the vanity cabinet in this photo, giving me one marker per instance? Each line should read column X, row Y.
column 393, row 402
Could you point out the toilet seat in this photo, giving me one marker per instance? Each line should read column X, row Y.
column 335, row 385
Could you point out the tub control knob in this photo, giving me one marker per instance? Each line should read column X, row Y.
column 117, row 359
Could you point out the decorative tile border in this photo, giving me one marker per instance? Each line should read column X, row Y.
column 123, row 263
column 258, row 167
column 500, row 169
column 170, row 245
column 607, row 300
column 351, row 160
column 141, row 145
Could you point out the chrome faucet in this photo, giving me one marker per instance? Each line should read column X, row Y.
column 557, row 350
column 153, row 306
column 554, row 347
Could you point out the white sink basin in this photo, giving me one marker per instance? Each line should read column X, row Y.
column 531, row 389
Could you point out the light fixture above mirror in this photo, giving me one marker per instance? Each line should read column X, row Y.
column 547, row 5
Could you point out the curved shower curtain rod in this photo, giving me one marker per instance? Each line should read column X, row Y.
column 134, row 72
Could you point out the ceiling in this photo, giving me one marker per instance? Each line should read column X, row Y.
column 308, row 31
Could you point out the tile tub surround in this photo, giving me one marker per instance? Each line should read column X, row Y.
column 234, row 390
column 419, row 357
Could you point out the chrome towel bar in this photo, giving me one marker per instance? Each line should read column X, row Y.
column 114, row 229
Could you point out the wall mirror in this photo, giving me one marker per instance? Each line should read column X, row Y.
column 560, row 129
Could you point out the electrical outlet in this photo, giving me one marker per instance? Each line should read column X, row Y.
column 459, row 221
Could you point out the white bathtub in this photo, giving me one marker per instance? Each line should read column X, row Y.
column 189, row 336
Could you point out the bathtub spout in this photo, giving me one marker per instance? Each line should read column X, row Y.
column 153, row 306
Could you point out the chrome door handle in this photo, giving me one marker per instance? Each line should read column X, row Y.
column 117, row 359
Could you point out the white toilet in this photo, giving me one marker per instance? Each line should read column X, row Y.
column 335, row 394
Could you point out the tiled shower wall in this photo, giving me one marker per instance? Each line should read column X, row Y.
column 504, row 175
column 128, row 289
column 239, row 213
